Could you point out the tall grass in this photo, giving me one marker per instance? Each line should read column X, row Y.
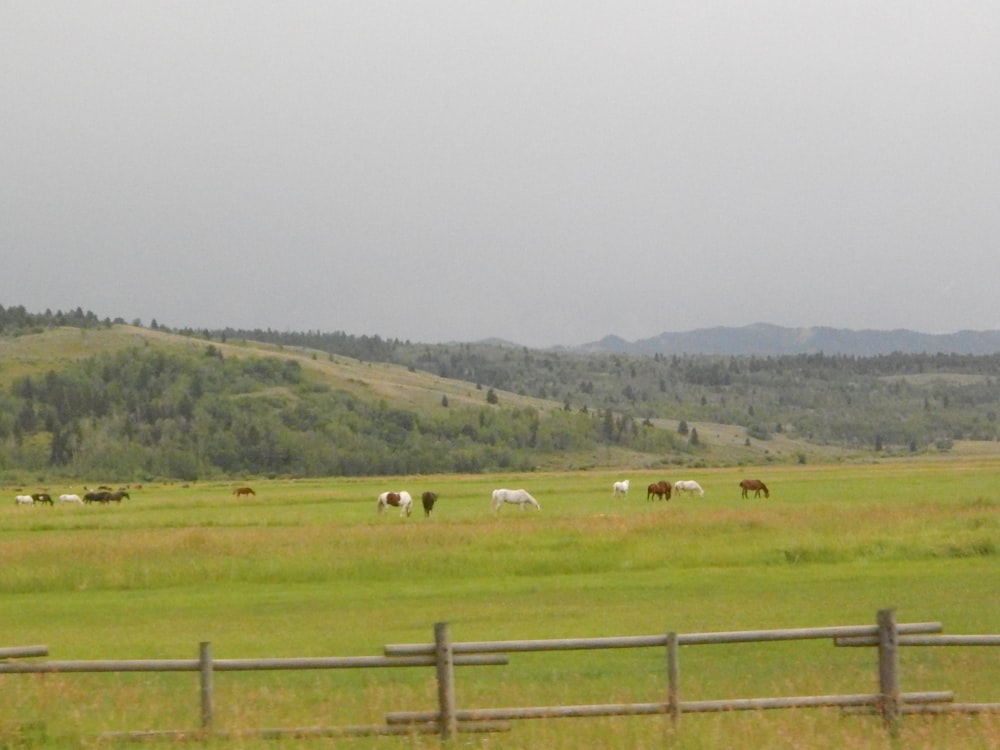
column 309, row 568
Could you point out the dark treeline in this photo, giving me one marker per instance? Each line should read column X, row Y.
column 365, row 348
column 16, row 320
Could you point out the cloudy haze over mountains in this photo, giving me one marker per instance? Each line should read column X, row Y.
column 546, row 173
column 763, row 339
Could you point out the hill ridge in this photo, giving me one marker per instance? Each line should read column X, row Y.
column 770, row 339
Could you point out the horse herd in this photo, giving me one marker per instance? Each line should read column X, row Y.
column 101, row 496
column 662, row 490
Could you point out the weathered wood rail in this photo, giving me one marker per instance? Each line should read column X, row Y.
column 889, row 701
column 887, row 636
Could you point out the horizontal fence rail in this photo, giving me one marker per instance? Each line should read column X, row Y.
column 241, row 665
column 648, row 641
column 21, row 652
column 886, row 636
column 930, row 640
column 641, row 709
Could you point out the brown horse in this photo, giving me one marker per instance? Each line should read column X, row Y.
column 756, row 485
column 428, row 499
column 241, row 491
column 658, row 489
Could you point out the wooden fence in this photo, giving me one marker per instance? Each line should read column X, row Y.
column 887, row 636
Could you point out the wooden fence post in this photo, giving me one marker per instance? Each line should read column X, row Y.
column 206, row 674
column 673, row 680
column 444, row 656
column 888, row 670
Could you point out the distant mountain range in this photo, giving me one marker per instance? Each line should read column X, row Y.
column 764, row 339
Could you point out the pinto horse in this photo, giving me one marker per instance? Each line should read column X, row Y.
column 242, row 491
column 42, row 498
column 514, row 497
column 401, row 500
column 658, row 489
column 756, row 485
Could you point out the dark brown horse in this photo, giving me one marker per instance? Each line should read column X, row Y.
column 241, row 491
column 428, row 499
column 658, row 489
column 756, row 485
column 42, row 497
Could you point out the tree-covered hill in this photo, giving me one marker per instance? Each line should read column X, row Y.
column 152, row 404
column 908, row 402
column 81, row 397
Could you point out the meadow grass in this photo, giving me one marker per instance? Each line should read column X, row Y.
column 307, row 568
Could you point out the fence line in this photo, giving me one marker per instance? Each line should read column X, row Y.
column 444, row 655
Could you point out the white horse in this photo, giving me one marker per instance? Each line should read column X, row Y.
column 70, row 499
column 688, row 485
column 620, row 489
column 514, row 497
column 401, row 500
column 24, row 500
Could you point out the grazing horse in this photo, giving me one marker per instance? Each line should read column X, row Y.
column 241, row 491
column 756, row 485
column 620, row 489
column 658, row 489
column 70, row 499
column 514, row 497
column 401, row 500
column 24, row 500
column 428, row 499
column 42, row 498
column 116, row 497
column 688, row 485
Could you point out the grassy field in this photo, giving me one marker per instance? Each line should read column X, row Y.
column 307, row 568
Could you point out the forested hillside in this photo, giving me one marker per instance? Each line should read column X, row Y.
column 901, row 401
column 142, row 403
column 155, row 409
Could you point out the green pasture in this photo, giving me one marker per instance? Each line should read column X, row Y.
column 307, row 568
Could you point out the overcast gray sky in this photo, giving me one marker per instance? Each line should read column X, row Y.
column 544, row 172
